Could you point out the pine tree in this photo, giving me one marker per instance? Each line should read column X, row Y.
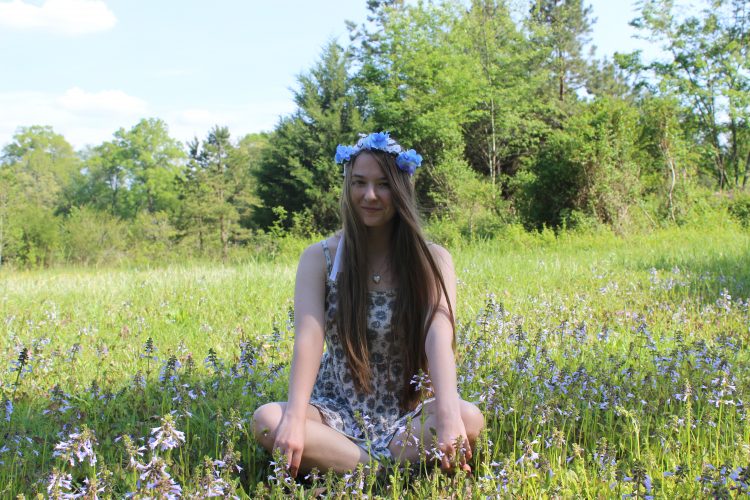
column 215, row 183
column 297, row 171
column 562, row 28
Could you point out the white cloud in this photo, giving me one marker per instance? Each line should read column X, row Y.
column 105, row 101
column 188, row 123
column 69, row 17
column 90, row 118
column 83, row 118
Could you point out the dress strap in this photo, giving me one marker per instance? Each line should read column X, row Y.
column 327, row 254
column 337, row 260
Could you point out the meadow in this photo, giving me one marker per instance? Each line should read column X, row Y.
column 605, row 367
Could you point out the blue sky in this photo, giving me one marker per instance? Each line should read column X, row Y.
column 89, row 67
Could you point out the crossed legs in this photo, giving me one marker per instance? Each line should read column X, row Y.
column 326, row 448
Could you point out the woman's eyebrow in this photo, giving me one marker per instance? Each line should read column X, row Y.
column 360, row 176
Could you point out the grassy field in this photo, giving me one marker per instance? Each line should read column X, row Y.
column 604, row 366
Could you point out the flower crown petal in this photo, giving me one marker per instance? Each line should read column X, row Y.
column 407, row 161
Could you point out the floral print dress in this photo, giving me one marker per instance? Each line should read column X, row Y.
column 335, row 394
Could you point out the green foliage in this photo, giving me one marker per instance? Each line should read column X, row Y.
column 561, row 29
column 37, row 241
column 152, row 236
column 297, row 171
column 508, row 118
column 669, row 167
column 136, row 171
column 154, row 160
column 589, row 167
column 215, row 193
column 44, row 166
column 707, row 67
column 516, row 122
column 594, row 358
column 93, row 237
column 740, row 208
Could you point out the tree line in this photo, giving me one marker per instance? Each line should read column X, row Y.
column 517, row 121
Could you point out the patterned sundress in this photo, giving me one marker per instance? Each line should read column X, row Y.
column 335, row 394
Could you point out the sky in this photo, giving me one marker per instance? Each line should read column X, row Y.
column 90, row 67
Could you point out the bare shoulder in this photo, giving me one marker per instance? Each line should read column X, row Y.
column 313, row 259
column 440, row 254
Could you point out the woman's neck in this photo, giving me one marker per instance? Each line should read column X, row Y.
column 379, row 240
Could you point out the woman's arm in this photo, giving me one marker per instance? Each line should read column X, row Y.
column 442, row 364
column 309, row 300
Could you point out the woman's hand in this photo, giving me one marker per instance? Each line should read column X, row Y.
column 290, row 440
column 451, row 432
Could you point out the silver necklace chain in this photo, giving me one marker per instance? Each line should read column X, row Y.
column 376, row 276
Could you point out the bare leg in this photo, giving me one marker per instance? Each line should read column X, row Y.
column 325, row 448
column 404, row 446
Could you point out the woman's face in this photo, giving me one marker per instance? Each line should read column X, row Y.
column 370, row 192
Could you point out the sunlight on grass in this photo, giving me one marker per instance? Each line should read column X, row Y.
column 604, row 367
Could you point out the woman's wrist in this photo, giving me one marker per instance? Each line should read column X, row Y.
column 292, row 414
column 448, row 407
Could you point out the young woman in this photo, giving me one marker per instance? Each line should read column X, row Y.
column 383, row 300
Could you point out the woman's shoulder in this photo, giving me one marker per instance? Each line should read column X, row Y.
column 315, row 254
column 438, row 252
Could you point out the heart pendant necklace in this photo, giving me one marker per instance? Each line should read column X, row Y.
column 377, row 275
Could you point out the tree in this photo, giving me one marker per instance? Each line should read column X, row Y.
column 107, row 181
column 43, row 164
column 250, row 150
column 297, row 172
column 506, row 122
column 37, row 172
column 669, row 164
column 214, row 191
column 134, row 172
column 9, row 230
column 589, row 169
column 154, row 160
column 707, row 67
column 562, row 27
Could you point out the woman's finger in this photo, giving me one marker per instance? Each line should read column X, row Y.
column 450, row 456
column 445, row 463
column 288, row 454
column 294, row 463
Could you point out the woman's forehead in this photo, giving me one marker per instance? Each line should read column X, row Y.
column 365, row 165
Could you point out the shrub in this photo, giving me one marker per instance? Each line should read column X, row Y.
column 739, row 208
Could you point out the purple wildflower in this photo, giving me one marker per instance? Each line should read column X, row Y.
column 167, row 436
column 79, row 446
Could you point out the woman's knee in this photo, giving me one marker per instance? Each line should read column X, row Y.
column 473, row 419
column 265, row 420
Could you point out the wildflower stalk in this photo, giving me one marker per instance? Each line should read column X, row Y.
column 717, row 460
column 689, row 415
column 21, row 363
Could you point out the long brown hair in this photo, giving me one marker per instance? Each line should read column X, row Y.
column 421, row 284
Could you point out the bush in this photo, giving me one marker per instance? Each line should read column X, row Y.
column 588, row 166
column 37, row 231
column 93, row 237
column 739, row 208
column 152, row 236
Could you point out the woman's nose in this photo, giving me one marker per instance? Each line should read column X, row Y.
column 370, row 192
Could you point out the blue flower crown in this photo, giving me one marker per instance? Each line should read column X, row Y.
column 408, row 161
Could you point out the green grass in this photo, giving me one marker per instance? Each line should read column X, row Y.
column 579, row 349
